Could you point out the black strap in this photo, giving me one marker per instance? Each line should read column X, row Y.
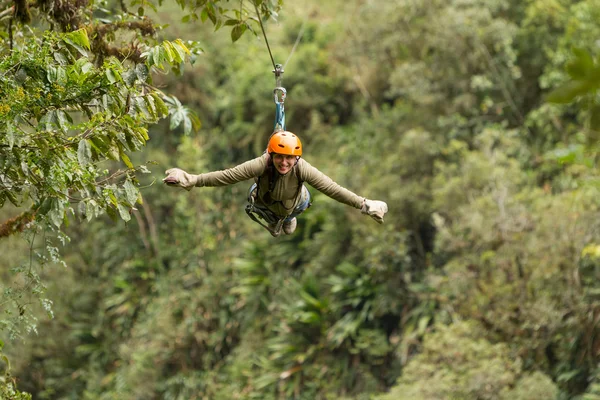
column 276, row 231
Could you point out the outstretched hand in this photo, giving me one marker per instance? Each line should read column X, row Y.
column 375, row 209
column 180, row 178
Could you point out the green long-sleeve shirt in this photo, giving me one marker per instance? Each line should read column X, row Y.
column 285, row 195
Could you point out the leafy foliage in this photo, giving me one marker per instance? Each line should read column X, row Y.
column 457, row 363
column 482, row 283
column 7, row 383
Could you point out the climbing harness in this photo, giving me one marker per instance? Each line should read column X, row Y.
column 255, row 212
column 264, row 213
column 274, row 224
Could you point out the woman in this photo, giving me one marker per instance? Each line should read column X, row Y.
column 278, row 194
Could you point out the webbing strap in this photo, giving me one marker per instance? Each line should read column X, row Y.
column 254, row 211
column 279, row 94
column 251, row 210
column 279, row 114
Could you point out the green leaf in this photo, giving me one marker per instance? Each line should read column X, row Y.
column 126, row 160
column 12, row 197
column 187, row 124
column 131, row 192
column 177, row 117
column 56, row 213
column 129, row 77
column 169, row 51
column 142, row 106
column 60, row 58
column 45, row 206
column 160, row 105
column 91, row 210
column 144, row 132
column 124, row 212
column 98, row 144
column 56, row 74
column 142, row 72
column 423, row 323
column 311, row 300
column 63, row 120
column 181, row 49
column 595, row 123
column 113, row 152
column 49, row 120
column 79, row 38
column 111, row 75
column 87, row 67
column 112, row 213
column 211, row 13
column 81, row 209
column 112, row 198
column 204, row 15
column 581, row 67
column 566, row 155
column 10, row 134
column 569, row 91
column 567, row 376
column 84, row 152
column 6, row 361
column 149, row 100
column 238, row 31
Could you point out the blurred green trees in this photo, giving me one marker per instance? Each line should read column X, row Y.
column 482, row 282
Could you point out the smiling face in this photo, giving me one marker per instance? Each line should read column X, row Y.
column 283, row 163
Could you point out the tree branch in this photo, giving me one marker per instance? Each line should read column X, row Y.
column 152, row 228
column 6, row 12
column 16, row 224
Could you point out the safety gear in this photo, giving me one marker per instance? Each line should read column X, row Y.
column 375, row 209
column 290, row 226
column 284, row 142
column 178, row 177
column 274, row 229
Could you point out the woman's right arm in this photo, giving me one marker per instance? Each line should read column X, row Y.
column 239, row 173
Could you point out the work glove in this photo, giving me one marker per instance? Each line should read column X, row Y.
column 178, row 177
column 375, row 209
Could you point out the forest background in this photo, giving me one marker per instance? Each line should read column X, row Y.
column 477, row 121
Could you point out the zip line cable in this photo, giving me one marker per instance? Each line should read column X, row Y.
column 298, row 38
column 264, row 34
column 279, row 92
column 300, row 34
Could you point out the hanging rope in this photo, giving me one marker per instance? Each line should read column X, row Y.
column 279, row 92
column 264, row 34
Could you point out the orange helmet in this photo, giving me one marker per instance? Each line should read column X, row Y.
column 284, row 142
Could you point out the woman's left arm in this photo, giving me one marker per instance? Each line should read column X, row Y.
column 327, row 186
column 324, row 184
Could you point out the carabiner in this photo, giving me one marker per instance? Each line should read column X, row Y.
column 283, row 93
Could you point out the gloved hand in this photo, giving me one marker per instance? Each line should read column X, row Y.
column 375, row 209
column 178, row 177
